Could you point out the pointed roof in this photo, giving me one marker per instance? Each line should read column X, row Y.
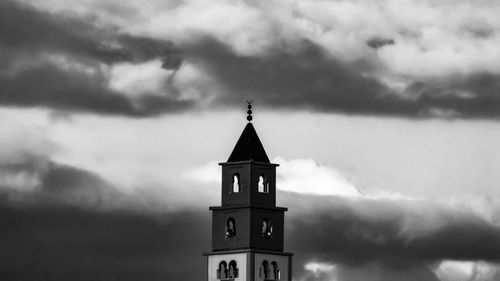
column 249, row 147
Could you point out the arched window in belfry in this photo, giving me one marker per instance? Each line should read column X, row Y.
column 233, row 269
column 267, row 228
column 230, row 227
column 275, row 271
column 263, row 185
column 236, row 183
column 222, row 270
column 264, row 270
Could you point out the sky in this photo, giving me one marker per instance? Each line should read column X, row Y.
column 384, row 117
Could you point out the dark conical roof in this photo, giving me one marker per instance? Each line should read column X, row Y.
column 249, row 147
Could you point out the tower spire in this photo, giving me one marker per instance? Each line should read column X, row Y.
column 249, row 147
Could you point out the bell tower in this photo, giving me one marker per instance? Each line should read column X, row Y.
column 247, row 229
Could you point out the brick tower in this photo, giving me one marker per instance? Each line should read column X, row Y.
column 247, row 229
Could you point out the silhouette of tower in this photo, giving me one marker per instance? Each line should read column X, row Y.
column 247, row 229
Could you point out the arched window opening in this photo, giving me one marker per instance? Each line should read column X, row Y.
column 236, row 183
column 222, row 270
column 233, row 269
column 230, row 227
column 263, row 186
column 275, row 271
column 264, row 270
column 267, row 228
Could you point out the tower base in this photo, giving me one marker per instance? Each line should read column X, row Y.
column 248, row 265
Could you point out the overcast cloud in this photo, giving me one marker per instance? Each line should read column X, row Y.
column 385, row 58
column 77, row 232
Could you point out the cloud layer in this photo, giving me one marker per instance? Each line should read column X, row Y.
column 353, row 239
column 63, row 63
column 386, row 58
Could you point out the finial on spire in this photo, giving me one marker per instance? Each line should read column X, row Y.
column 249, row 111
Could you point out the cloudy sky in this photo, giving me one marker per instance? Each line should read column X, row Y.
column 383, row 115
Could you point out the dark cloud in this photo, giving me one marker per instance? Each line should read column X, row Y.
column 49, row 86
column 472, row 96
column 68, row 229
column 308, row 79
column 29, row 36
column 350, row 238
column 76, row 226
column 58, row 184
column 388, row 272
column 387, row 240
column 304, row 77
column 68, row 243
column 311, row 79
column 479, row 30
column 377, row 42
column 77, row 187
column 27, row 30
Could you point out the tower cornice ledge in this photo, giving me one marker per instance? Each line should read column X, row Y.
column 247, row 206
column 247, row 162
column 246, row 250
